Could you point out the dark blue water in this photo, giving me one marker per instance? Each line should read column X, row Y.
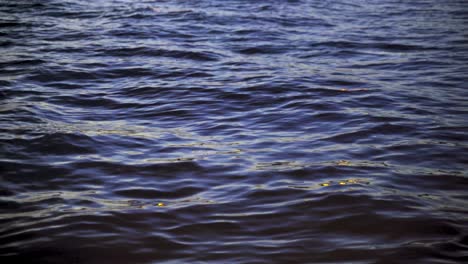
column 234, row 131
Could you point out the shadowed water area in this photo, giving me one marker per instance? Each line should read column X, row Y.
column 233, row 131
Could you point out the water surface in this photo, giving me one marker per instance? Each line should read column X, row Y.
column 234, row 131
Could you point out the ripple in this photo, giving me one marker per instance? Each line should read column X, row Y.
column 148, row 52
column 146, row 193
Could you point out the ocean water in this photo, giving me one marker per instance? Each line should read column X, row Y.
column 236, row 131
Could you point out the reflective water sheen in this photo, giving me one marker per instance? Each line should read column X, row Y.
column 237, row 131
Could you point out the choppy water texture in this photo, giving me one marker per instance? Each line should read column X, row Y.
column 234, row 131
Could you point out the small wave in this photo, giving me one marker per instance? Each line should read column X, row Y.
column 390, row 47
column 146, row 193
column 149, row 52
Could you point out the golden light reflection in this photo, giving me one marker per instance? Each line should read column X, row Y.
column 351, row 181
